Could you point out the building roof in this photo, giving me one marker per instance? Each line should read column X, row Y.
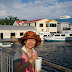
column 51, row 20
column 11, row 27
column 28, row 21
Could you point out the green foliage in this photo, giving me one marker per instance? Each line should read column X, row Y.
column 9, row 20
column 24, row 20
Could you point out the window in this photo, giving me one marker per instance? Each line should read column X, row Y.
column 52, row 25
column 41, row 25
column 12, row 34
column 57, row 35
column 55, row 25
column 29, row 24
column 21, row 34
column 62, row 35
column 35, row 24
column 46, row 25
column 45, row 35
column 70, row 34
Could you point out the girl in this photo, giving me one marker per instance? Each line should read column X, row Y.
column 25, row 57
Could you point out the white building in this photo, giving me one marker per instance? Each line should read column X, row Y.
column 39, row 24
column 52, row 26
column 63, row 26
column 9, row 32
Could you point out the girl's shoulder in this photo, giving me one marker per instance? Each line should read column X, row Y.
column 17, row 56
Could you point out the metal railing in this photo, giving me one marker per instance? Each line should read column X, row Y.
column 61, row 68
column 6, row 61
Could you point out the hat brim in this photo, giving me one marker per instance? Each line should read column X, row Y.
column 37, row 38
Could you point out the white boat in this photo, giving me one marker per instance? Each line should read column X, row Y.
column 59, row 37
column 44, row 34
column 64, row 17
column 6, row 45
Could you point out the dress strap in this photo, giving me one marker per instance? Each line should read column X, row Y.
column 27, row 57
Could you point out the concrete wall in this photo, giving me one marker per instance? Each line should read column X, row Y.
column 7, row 33
column 52, row 29
column 39, row 29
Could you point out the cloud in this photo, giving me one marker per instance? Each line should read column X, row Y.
column 50, row 9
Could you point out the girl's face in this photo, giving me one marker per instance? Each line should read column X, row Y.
column 30, row 43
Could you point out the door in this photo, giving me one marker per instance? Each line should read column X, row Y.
column 12, row 35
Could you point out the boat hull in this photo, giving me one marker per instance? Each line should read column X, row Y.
column 54, row 40
column 6, row 45
column 51, row 39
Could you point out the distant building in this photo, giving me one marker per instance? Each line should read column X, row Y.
column 39, row 24
column 11, row 32
column 63, row 26
column 52, row 26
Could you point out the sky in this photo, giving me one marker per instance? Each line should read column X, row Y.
column 35, row 9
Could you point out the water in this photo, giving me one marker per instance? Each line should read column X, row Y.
column 59, row 53
column 65, row 20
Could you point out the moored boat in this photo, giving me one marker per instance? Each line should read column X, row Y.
column 44, row 34
column 6, row 45
column 59, row 37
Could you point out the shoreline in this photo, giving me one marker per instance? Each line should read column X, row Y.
column 9, row 40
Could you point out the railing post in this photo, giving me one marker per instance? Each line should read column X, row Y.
column 1, row 59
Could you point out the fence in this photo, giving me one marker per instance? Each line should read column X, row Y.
column 6, row 62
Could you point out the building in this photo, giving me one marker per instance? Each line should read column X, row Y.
column 10, row 31
column 63, row 26
column 39, row 24
column 71, row 27
column 52, row 26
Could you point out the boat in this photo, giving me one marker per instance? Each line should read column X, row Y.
column 64, row 17
column 59, row 37
column 44, row 34
column 6, row 45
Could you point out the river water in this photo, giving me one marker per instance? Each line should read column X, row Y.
column 59, row 53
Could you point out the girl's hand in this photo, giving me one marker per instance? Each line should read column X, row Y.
column 37, row 71
column 33, row 58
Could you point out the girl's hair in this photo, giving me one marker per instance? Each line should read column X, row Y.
column 23, row 40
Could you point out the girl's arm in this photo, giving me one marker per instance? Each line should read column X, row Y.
column 22, row 67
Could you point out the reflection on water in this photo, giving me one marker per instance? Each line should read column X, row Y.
column 56, row 52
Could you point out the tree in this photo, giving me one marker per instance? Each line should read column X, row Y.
column 8, row 21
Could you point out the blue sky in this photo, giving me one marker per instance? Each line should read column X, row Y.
column 35, row 9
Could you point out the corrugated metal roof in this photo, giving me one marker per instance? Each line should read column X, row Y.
column 11, row 27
